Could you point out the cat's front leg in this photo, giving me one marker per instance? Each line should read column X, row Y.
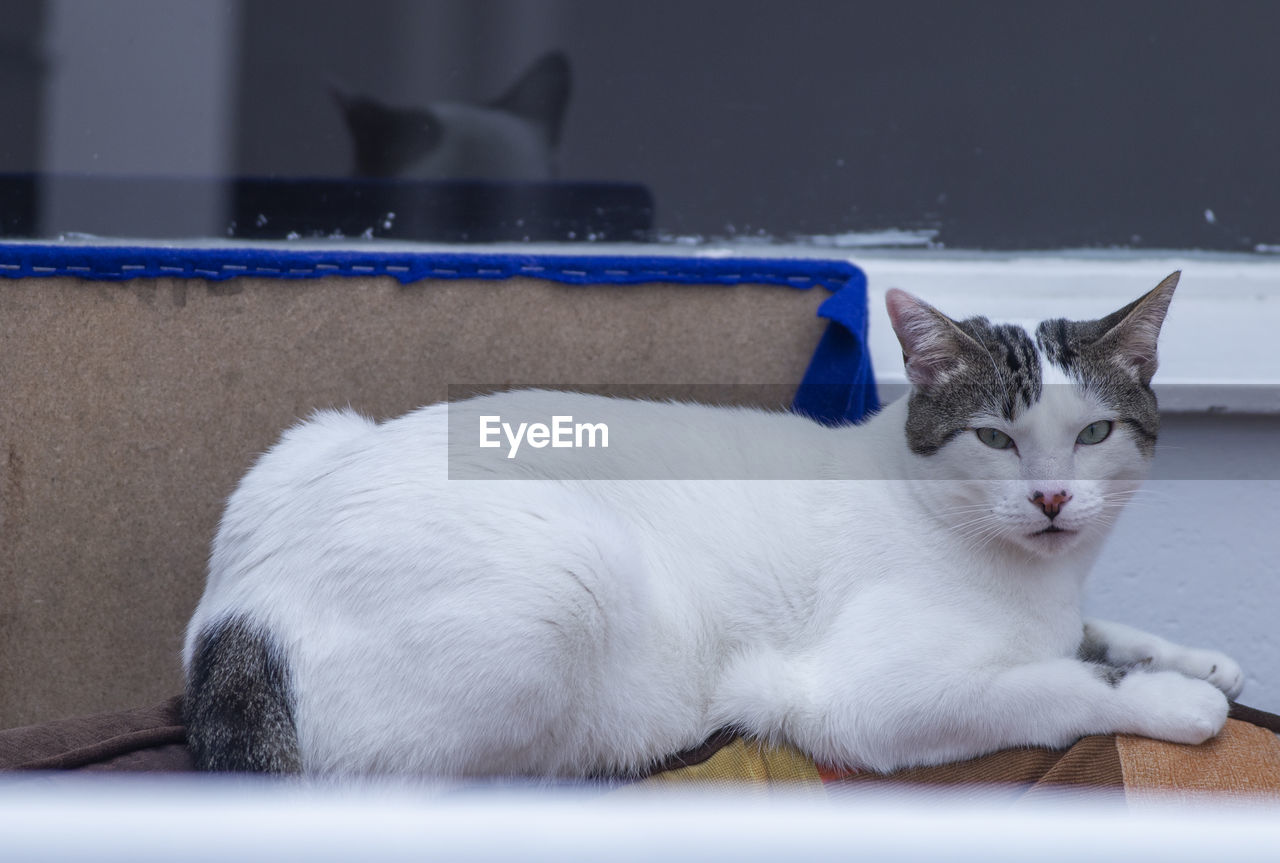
column 1054, row 702
column 960, row 713
column 1124, row 647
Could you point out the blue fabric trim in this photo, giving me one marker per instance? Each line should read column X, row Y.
column 117, row 263
column 838, row 386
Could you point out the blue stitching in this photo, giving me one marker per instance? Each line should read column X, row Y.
column 115, row 263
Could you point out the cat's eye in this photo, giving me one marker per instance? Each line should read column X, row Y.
column 1095, row 432
column 994, row 438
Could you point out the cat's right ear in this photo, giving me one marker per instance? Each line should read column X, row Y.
column 932, row 345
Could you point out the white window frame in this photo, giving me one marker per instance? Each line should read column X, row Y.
column 1219, row 348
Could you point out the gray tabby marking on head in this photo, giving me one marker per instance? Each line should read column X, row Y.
column 960, row 369
column 1115, row 357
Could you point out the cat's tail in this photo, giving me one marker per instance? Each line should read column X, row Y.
column 239, row 706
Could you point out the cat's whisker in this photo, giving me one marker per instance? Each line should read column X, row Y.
column 955, row 510
column 1150, row 493
column 985, row 542
column 985, row 517
column 974, row 524
column 980, row 533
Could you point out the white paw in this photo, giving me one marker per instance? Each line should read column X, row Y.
column 1169, row 706
column 1217, row 668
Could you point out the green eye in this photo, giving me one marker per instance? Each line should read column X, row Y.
column 1094, row 433
column 994, row 438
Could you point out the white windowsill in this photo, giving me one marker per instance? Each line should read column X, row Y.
column 1218, row 348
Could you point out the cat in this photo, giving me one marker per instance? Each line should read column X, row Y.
column 910, row 596
column 513, row 137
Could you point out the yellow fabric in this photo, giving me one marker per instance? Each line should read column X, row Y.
column 1242, row 760
column 744, row 766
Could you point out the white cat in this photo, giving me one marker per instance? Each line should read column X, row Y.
column 395, row 598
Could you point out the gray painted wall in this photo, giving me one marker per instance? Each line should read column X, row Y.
column 1198, row 560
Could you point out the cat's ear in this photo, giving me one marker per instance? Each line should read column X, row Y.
column 1131, row 333
column 933, row 347
column 541, row 95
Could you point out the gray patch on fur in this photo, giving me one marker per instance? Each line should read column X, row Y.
column 1094, row 653
column 239, row 707
column 999, row 373
column 1073, row 346
column 1091, row 650
column 1109, row 674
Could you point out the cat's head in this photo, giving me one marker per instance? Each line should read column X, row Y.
column 1034, row 438
column 512, row 137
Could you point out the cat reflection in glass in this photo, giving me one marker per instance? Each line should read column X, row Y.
column 512, row 137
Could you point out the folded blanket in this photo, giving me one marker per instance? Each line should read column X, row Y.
column 1243, row 759
column 147, row 739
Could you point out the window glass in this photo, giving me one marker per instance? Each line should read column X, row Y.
column 1000, row 125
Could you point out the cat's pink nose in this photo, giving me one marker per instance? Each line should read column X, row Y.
column 1051, row 504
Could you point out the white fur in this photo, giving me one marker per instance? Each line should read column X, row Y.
column 876, row 608
column 481, row 143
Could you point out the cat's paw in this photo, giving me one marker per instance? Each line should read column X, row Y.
column 1170, row 706
column 1217, row 668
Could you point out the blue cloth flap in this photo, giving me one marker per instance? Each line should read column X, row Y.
column 839, row 386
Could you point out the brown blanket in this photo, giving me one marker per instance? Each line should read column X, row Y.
column 1244, row 759
column 148, row 739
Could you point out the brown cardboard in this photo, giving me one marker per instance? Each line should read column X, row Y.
column 128, row 411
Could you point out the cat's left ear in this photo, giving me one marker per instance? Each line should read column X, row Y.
column 1132, row 332
column 933, row 347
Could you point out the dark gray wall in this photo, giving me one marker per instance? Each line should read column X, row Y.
column 21, row 82
column 21, row 85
